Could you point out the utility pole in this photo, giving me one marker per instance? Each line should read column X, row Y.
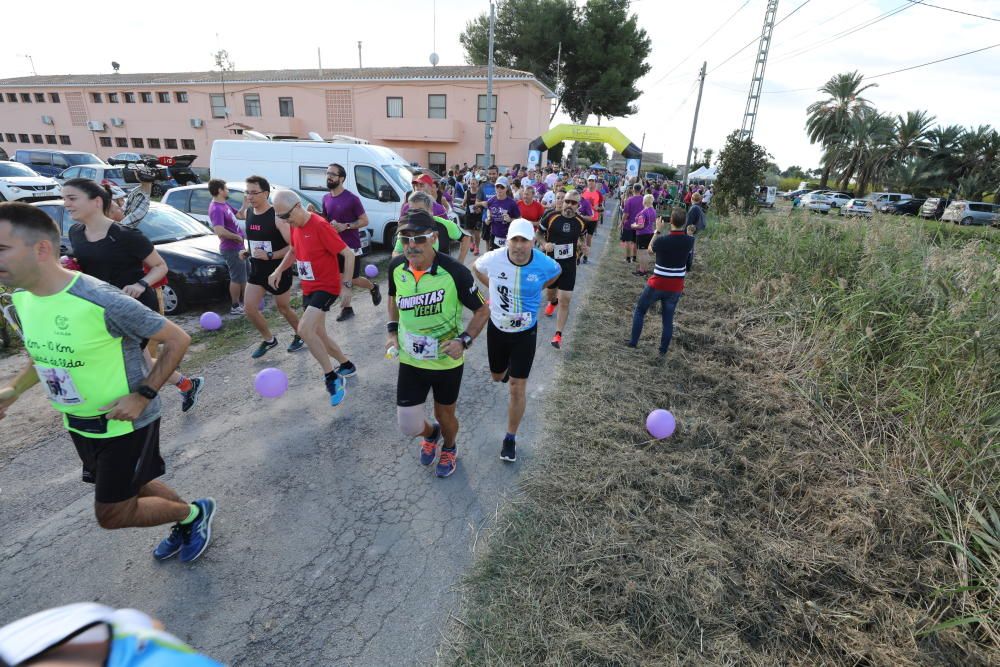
column 489, row 91
column 359, row 55
column 757, row 82
column 694, row 126
column 642, row 146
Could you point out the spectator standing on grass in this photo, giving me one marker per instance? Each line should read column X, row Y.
column 674, row 253
column 695, row 214
column 231, row 237
column 644, row 226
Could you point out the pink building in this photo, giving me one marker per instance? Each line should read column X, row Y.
column 434, row 116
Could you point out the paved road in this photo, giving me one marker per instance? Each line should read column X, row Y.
column 332, row 546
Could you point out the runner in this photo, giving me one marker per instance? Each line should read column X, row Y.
column 423, row 184
column 347, row 214
column 268, row 240
column 223, row 219
column 315, row 247
column 591, row 212
column 644, row 226
column 428, row 292
column 488, row 190
column 472, row 221
column 561, row 237
column 515, row 277
column 501, row 209
column 445, row 228
column 530, row 208
column 84, row 338
column 630, row 209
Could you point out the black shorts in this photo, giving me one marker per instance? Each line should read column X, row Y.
column 627, row 235
column 591, row 226
column 643, row 240
column 357, row 265
column 260, row 270
column 472, row 223
column 322, row 300
column 567, row 279
column 413, row 383
column 511, row 350
column 116, row 466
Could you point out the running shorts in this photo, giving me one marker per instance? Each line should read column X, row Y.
column 413, row 383
column 628, row 235
column 260, row 270
column 116, row 466
column 357, row 265
column 643, row 241
column 567, row 279
column 591, row 226
column 511, row 350
column 319, row 299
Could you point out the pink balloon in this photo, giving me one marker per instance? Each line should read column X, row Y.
column 660, row 424
column 211, row 321
column 270, row 382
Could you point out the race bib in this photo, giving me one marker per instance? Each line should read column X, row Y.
column 515, row 321
column 58, row 385
column 499, row 241
column 421, row 347
column 260, row 245
column 358, row 252
column 563, row 250
column 305, row 270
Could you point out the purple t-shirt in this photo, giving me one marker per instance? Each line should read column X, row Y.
column 649, row 221
column 439, row 210
column 496, row 208
column 345, row 207
column 541, row 188
column 586, row 210
column 221, row 214
column 633, row 206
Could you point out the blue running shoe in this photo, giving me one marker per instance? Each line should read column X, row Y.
column 337, row 388
column 171, row 544
column 447, row 462
column 199, row 533
column 428, row 448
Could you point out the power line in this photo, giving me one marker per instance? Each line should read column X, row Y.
column 822, row 23
column 851, row 30
column 695, row 49
column 956, row 11
column 757, row 39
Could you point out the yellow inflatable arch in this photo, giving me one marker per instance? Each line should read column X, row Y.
column 607, row 135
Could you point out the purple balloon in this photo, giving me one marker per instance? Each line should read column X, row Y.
column 660, row 424
column 211, row 321
column 271, row 383
column 371, row 270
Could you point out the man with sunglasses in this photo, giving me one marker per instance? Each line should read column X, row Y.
column 315, row 248
column 561, row 234
column 428, row 291
column 347, row 214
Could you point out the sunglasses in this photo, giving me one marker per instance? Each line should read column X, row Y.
column 571, row 202
column 286, row 215
column 248, row 193
column 419, row 239
column 501, row 187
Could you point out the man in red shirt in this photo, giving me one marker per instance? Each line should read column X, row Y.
column 315, row 249
column 531, row 209
column 596, row 200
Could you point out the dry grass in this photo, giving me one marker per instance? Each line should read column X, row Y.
column 761, row 533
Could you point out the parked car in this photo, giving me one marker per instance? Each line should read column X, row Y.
column 794, row 193
column 906, row 207
column 196, row 271
column 838, row 199
column 102, row 173
column 172, row 170
column 51, row 163
column 818, row 203
column 766, row 195
column 933, row 208
column 884, row 201
column 858, row 208
column 194, row 200
column 20, row 183
column 971, row 213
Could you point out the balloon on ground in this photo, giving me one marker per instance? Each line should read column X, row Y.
column 211, row 321
column 660, row 424
column 271, row 382
column 371, row 270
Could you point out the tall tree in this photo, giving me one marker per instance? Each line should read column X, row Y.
column 742, row 165
column 591, row 152
column 828, row 119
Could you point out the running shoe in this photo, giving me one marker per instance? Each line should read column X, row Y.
column 237, row 310
column 586, row 259
column 507, row 451
column 189, row 397
column 549, row 309
column 265, row 347
column 347, row 370
column 198, row 534
column 376, row 294
column 447, row 462
column 337, row 388
column 345, row 314
column 557, row 341
column 171, row 544
column 428, row 447
column 296, row 344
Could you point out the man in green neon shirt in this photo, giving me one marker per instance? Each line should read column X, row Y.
column 84, row 337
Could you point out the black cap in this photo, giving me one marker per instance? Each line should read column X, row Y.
column 417, row 221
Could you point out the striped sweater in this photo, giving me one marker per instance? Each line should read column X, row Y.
column 674, row 253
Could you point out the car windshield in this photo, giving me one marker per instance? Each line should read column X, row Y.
column 114, row 173
column 14, row 169
column 82, row 158
column 402, row 176
column 163, row 224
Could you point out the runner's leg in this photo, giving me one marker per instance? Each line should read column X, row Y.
column 158, row 489
column 331, row 346
column 515, row 411
column 563, row 314
column 446, row 417
column 140, row 512
column 284, row 304
column 254, row 294
column 314, row 320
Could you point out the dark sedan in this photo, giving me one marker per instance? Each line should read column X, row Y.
column 907, row 207
column 196, row 272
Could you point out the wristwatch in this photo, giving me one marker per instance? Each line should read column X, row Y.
column 142, row 281
column 270, row 255
column 348, row 283
column 146, row 391
column 466, row 340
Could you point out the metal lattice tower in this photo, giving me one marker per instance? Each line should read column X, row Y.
column 757, row 82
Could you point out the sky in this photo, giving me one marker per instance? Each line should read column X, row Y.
column 259, row 35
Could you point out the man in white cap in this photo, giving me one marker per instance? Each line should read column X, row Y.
column 515, row 276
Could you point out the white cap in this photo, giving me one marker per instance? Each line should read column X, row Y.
column 592, row 178
column 503, row 181
column 521, row 227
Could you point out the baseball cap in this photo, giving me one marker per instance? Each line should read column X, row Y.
column 503, row 181
column 426, row 179
column 592, row 178
column 417, row 221
column 522, row 228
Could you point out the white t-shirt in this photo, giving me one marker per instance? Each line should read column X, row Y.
column 549, row 198
column 550, row 179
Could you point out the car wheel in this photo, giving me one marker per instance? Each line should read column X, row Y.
column 172, row 303
column 389, row 237
column 967, row 221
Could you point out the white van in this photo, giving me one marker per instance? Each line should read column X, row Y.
column 378, row 175
column 884, row 201
column 766, row 194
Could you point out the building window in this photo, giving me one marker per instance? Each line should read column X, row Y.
column 437, row 162
column 286, row 108
column 481, row 160
column 96, row 97
column 251, row 104
column 437, row 106
column 163, row 98
column 137, row 142
column 187, row 144
column 26, row 98
column 218, row 102
column 170, row 144
column 181, row 96
column 394, row 107
column 121, row 142
column 129, row 98
column 147, row 98
column 24, row 138
column 40, row 97
column 481, row 115
column 50, row 138
column 2, row 98
column 64, row 140
column 153, row 143
column 105, row 142
column 54, row 97
column 11, row 137
column 37, row 138
column 112, row 98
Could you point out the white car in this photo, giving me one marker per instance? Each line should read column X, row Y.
column 21, row 183
column 807, row 197
column 819, row 203
column 858, row 208
column 838, row 199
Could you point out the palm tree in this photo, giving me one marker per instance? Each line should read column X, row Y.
column 868, row 144
column 912, row 135
column 827, row 119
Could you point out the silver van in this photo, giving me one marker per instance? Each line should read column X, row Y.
column 886, row 201
column 971, row 213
